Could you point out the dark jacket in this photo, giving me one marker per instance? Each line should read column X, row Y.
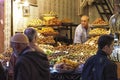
column 2, row 72
column 12, row 62
column 32, row 66
column 99, row 67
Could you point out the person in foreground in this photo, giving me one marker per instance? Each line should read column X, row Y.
column 2, row 72
column 99, row 66
column 30, row 64
column 81, row 31
column 31, row 33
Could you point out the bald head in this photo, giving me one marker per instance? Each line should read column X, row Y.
column 84, row 17
column 84, row 21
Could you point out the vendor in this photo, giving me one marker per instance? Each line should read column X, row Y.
column 81, row 31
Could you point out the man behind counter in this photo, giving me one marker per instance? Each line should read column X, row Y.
column 81, row 31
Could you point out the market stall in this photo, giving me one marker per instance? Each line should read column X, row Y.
column 65, row 58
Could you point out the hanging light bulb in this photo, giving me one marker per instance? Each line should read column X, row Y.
column 18, row 1
column 26, row 3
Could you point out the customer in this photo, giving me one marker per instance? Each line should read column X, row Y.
column 81, row 31
column 30, row 64
column 12, row 62
column 31, row 33
column 99, row 67
column 32, row 36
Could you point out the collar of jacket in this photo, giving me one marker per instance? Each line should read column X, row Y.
column 27, row 49
column 101, row 52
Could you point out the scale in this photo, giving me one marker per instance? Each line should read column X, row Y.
column 114, row 23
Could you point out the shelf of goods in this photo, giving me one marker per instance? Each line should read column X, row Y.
column 45, row 28
column 78, row 53
column 68, row 58
column 99, row 22
column 105, row 26
column 99, row 27
column 46, row 35
column 71, row 56
column 98, row 31
column 52, row 27
column 48, row 31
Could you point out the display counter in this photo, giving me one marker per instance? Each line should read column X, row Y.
column 75, row 76
column 74, row 54
column 65, row 76
column 61, row 27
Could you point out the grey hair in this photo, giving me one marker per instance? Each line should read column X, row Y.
column 30, row 33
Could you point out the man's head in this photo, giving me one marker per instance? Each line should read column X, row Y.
column 19, row 42
column 31, row 34
column 105, row 43
column 84, row 21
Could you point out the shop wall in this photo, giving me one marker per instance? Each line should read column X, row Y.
column 116, row 6
column 7, row 23
column 19, row 20
column 63, row 8
column 67, row 9
column 1, row 25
